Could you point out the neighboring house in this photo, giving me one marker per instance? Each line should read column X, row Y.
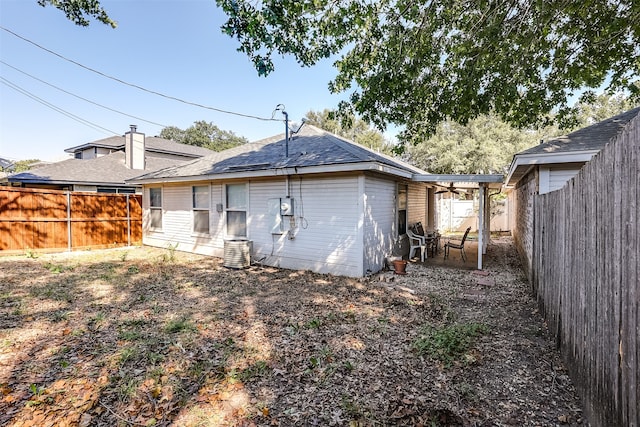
column 555, row 162
column 105, row 165
column 330, row 206
column 549, row 166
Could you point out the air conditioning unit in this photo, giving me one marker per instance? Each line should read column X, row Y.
column 237, row 253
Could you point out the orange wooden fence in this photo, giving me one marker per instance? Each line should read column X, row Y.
column 35, row 219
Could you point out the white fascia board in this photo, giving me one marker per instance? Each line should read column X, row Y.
column 479, row 178
column 345, row 167
column 528, row 160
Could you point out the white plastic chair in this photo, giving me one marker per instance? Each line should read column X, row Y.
column 417, row 242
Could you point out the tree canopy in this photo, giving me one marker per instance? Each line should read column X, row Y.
column 352, row 128
column 419, row 63
column 80, row 11
column 204, row 134
column 487, row 144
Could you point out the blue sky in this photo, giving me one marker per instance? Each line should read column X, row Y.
column 174, row 47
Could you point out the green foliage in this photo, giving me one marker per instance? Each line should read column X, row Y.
column 204, row 134
column 350, row 127
column 20, row 166
column 79, row 11
column 420, row 63
column 449, row 343
column 256, row 370
column 179, row 325
column 485, row 145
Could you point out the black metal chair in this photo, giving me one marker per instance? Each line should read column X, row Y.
column 460, row 246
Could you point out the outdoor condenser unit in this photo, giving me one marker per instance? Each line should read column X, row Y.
column 237, row 253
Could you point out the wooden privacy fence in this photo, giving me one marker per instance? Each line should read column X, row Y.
column 34, row 219
column 585, row 273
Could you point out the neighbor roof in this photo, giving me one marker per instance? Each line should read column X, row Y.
column 576, row 147
column 590, row 138
column 311, row 150
column 105, row 170
column 152, row 144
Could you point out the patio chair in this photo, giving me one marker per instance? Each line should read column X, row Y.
column 460, row 246
column 416, row 242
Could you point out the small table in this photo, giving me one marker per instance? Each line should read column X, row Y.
column 433, row 242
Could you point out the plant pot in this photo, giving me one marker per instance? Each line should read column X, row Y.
column 400, row 266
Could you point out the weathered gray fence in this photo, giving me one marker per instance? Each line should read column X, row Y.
column 585, row 269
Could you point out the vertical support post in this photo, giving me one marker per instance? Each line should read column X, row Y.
column 481, row 215
column 69, row 221
column 487, row 220
column 128, row 221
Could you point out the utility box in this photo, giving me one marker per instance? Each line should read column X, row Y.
column 237, row 253
column 287, row 206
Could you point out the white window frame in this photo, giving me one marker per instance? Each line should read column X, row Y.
column 241, row 208
column 200, row 205
column 153, row 209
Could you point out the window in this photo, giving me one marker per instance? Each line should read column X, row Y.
column 78, row 155
column 155, row 208
column 402, row 209
column 200, row 196
column 237, row 210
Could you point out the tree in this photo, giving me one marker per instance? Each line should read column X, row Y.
column 487, row 144
column 19, row 166
column 419, row 63
column 484, row 145
column 204, row 134
column 351, row 127
column 79, row 11
column 601, row 107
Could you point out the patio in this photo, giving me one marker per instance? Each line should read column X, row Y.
column 454, row 260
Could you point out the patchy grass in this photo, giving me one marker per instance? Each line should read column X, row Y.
column 158, row 337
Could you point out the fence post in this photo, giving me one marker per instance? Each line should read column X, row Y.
column 69, row 220
column 128, row 221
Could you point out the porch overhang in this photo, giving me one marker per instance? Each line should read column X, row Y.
column 461, row 181
column 470, row 182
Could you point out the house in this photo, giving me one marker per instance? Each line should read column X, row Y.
column 104, row 165
column 555, row 162
column 549, row 166
column 314, row 201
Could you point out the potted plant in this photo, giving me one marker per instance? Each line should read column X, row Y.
column 400, row 266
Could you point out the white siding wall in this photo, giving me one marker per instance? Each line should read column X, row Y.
column 559, row 176
column 327, row 233
column 177, row 222
column 326, row 229
column 555, row 177
column 379, row 222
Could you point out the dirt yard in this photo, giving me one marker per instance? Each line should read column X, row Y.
column 150, row 337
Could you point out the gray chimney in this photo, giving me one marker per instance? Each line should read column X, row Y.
column 134, row 149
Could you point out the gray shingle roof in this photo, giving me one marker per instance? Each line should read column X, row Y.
column 105, row 170
column 590, row 138
column 310, row 147
column 152, row 143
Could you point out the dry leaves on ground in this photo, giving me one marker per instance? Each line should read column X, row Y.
column 145, row 337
